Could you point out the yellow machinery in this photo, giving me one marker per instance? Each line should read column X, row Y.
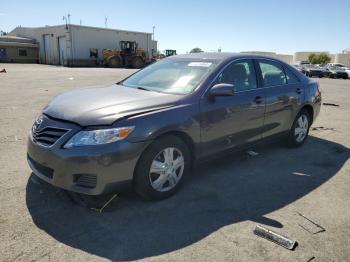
column 129, row 55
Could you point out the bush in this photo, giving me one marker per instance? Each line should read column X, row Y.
column 196, row 50
column 321, row 58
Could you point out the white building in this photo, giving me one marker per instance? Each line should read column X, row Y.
column 76, row 44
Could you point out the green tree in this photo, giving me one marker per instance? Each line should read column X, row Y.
column 196, row 50
column 321, row 58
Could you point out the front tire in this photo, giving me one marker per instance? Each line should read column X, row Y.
column 300, row 129
column 162, row 168
column 114, row 62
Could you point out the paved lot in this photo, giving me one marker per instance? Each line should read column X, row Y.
column 213, row 216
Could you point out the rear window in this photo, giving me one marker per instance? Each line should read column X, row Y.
column 272, row 74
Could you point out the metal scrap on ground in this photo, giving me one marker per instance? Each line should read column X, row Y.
column 330, row 104
column 274, row 237
column 106, row 204
column 310, row 226
column 322, row 128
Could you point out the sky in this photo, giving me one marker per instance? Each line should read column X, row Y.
column 282, row 26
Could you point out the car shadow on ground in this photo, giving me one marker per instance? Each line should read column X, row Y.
column 221, row 192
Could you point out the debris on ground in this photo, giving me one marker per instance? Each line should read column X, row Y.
column 96, row 203
column 311, row 258
column 322, row 128
column 275, row 237
column 310, row 226
column 3, row 71
column 252, row 153
column 106, row 204
column 330, row 104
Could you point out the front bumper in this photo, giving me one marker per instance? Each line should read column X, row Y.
column 91, row 170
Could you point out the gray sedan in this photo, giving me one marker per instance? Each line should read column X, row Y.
column 150, row 128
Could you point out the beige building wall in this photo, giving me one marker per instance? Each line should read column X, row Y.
column 343, row 58
column 273, row 54
column 286, row 58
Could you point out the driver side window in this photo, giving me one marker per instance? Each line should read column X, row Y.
column 240, row 74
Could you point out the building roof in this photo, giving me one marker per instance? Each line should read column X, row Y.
column 16, row 39
column 217, row 56
column 84, row 26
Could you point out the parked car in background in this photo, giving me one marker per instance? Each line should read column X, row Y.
column 341, row 66
column 299, row 68
column 301, row 63
column 313, row 70
column 150, row 128
column 348, row 72
column 337, row 72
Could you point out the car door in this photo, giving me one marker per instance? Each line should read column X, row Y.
column 230, row 121
column 283, row 91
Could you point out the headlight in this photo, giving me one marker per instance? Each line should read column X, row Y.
column 99, row 137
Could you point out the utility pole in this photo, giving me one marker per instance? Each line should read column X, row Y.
column 65, row 19
column 69, row 19
column 106, row 21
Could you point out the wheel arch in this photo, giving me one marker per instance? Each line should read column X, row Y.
column 310, row 110
column 184, row 137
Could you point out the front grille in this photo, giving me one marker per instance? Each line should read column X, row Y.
column 46, row 171
column 47, row 136
column 85, row 180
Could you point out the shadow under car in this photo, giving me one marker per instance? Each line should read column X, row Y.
column 221, row 192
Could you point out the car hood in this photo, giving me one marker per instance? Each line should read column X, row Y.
column 105, row 105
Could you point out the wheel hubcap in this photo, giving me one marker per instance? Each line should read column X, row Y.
column 301, row 128
column 166, row 169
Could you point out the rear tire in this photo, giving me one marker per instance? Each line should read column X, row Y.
column 162, row 168
column 137, row 62
column 300, row 129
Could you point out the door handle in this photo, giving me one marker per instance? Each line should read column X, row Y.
column 258, row 100
column 298, row 90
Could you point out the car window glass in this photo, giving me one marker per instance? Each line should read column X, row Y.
column 272, row 74
column 171, row 76
column 240, row 74
column 291, row 78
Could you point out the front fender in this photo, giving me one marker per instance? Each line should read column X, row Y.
column 183, row 118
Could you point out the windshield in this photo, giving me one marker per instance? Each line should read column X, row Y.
column 171, row 76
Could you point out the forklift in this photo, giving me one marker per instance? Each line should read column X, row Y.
column 129, row 55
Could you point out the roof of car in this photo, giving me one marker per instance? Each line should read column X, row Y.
column 216, row 56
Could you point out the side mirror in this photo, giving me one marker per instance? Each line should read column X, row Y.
column 222, row 90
